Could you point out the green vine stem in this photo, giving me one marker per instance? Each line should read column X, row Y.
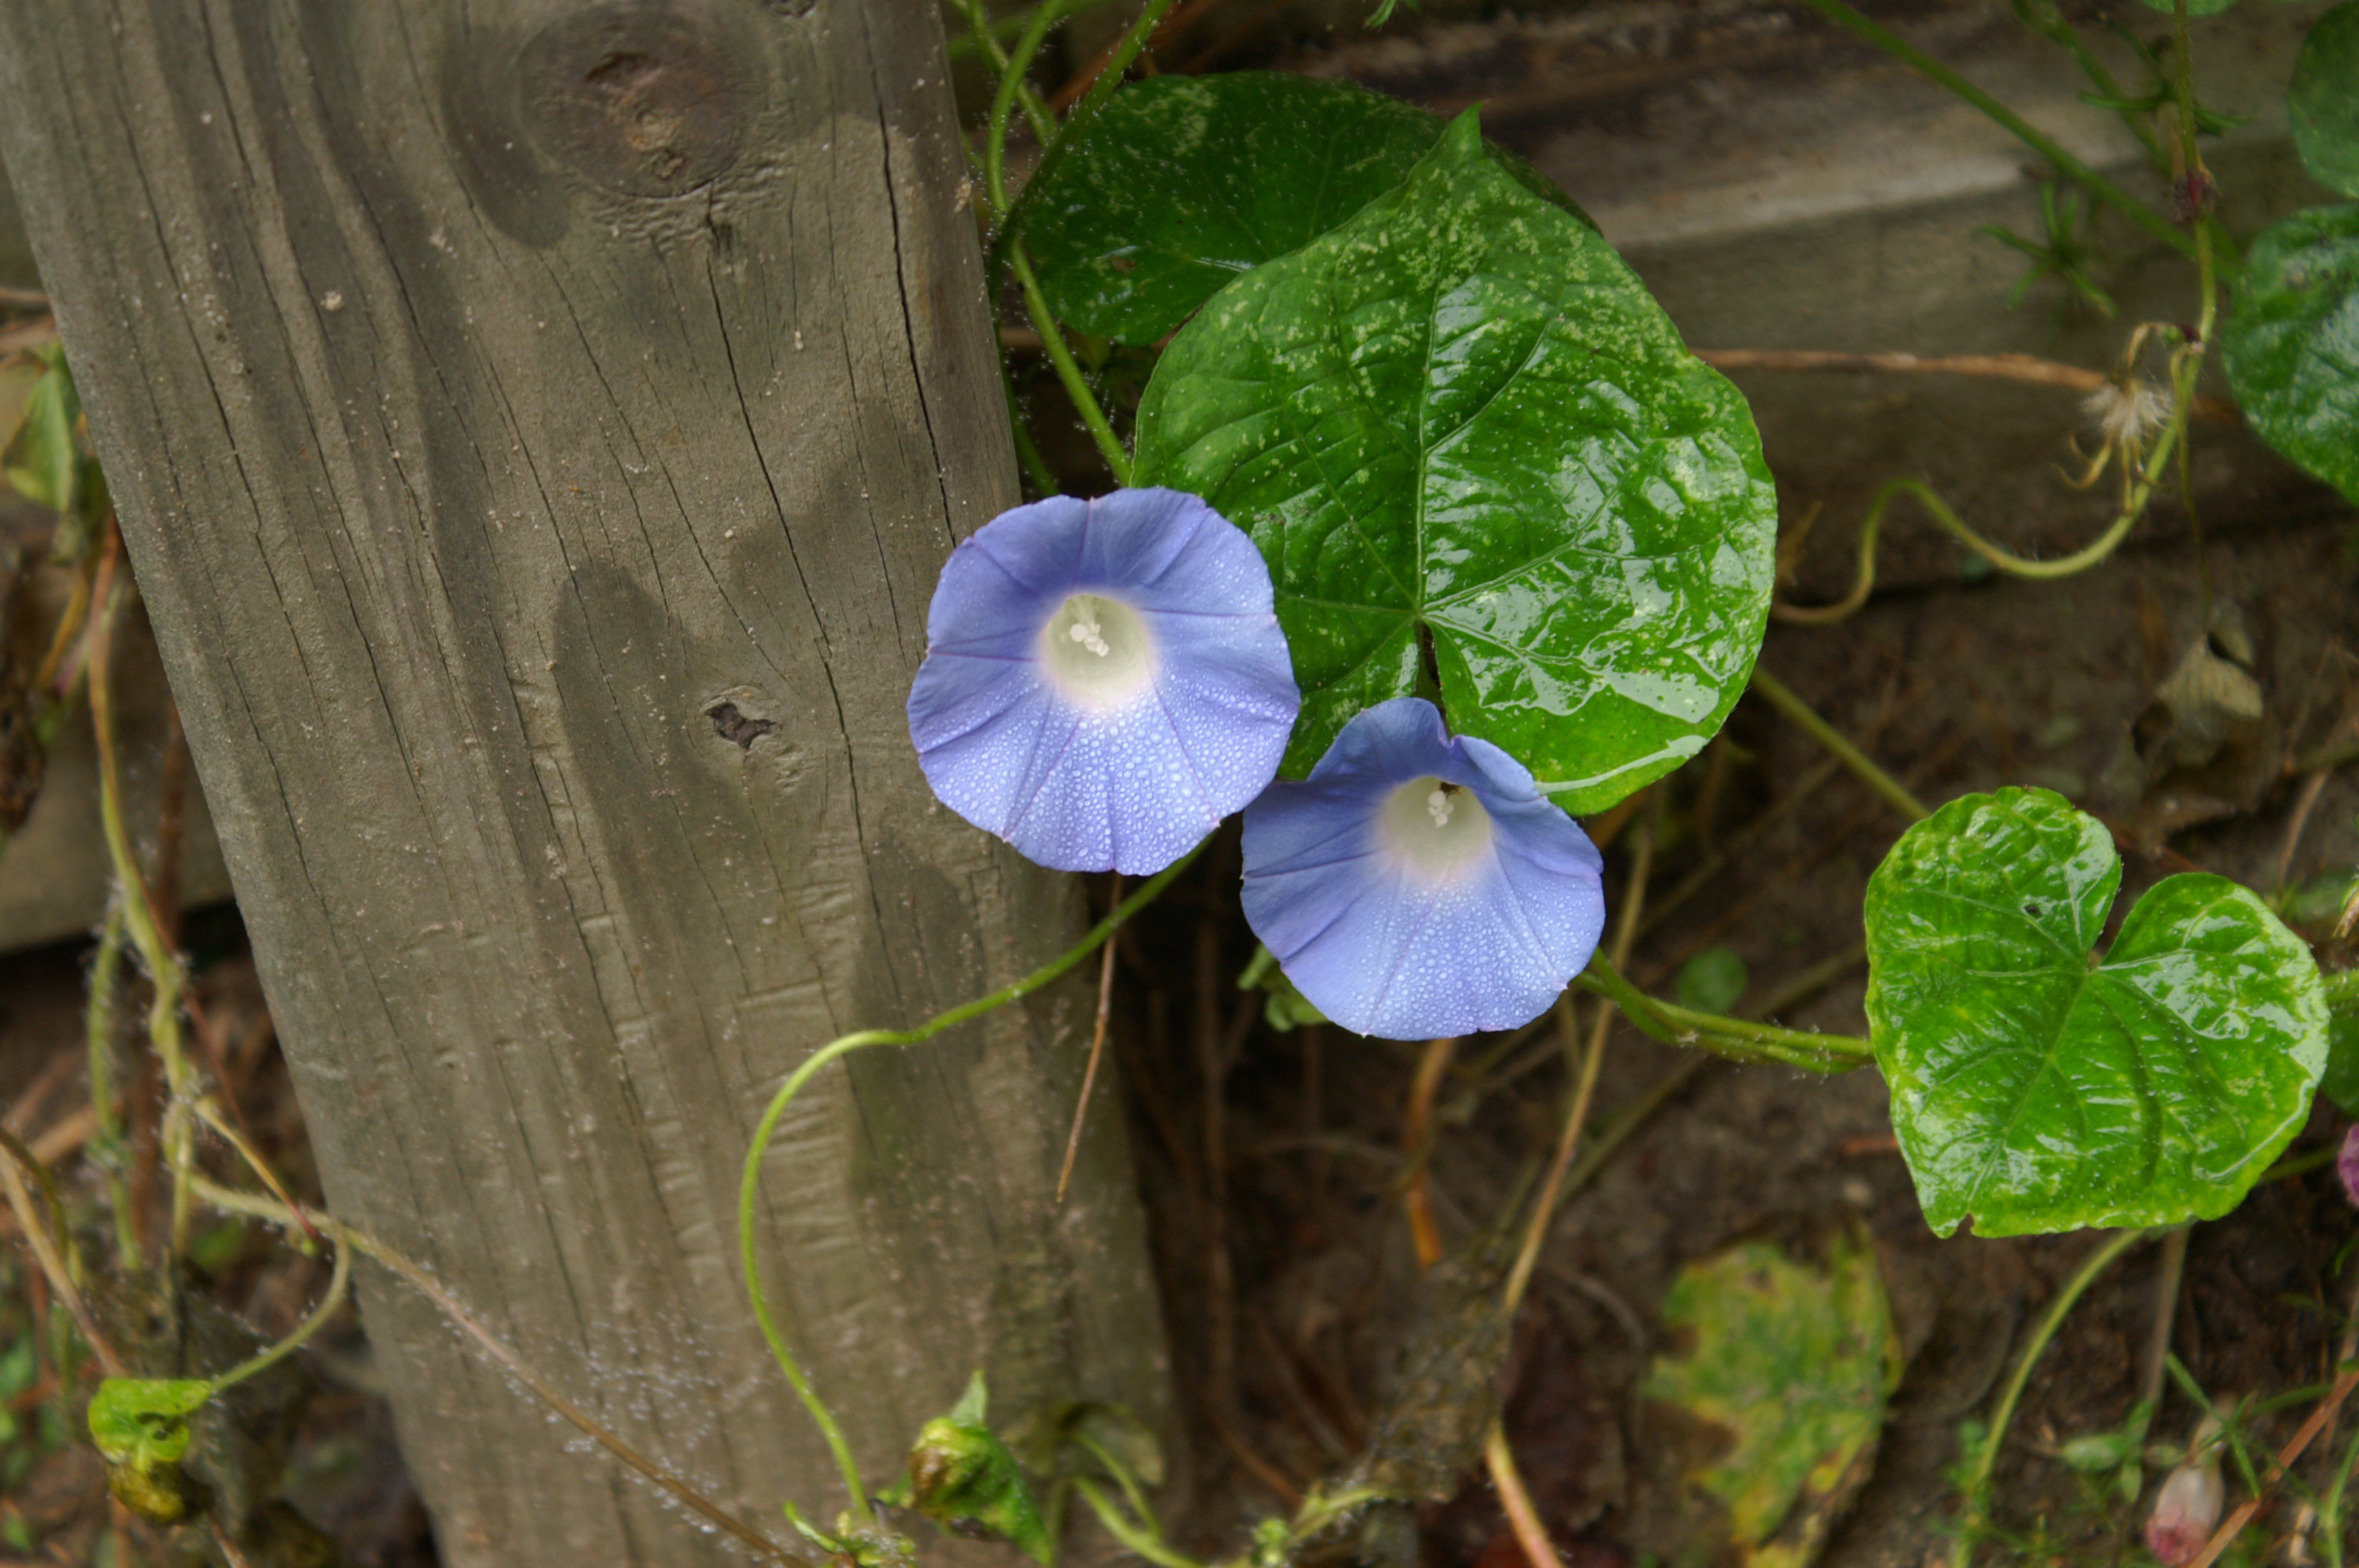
column 1781, row 696
column 1035, row 304
column 1131, row 1492
column 1052, row 338
column 985, row 39
column 1002, row 102
column 1117, row 66
column 98, row 1030
column 2081, row 560
column 1740, row 1038
column 2023, row 130
column 1126, row 52
column 750, row 1185
column 2044, row 18
column 1053, row 151
column 1136, row 1536
column 210, row 1114
column 1027, row 451
column 165, row 975
column 2191, row 155
column 2186, row 363
column 1974, row 1480
column 995, row 167
column 340, row 1279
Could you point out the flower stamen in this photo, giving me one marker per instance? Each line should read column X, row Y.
column 1097, row 652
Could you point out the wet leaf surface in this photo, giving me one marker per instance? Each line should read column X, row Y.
column 2036, row 1090
column 2322, row 101
column 1184, row 182
column 1460, row 417
column 2292, row 342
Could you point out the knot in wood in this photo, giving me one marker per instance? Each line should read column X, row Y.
column 640, row 100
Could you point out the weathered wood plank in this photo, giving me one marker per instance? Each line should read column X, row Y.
column 536, row 428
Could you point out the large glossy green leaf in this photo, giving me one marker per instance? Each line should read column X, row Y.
column 1460, row 418
column 1183, row 182
column 2292, row 341
column 2037, row 1090
column 2322, row 101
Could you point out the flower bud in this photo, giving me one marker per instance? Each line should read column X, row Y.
column 2187, row 1506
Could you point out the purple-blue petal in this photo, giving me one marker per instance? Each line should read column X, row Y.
column 1385, row 951
column 1089, row 789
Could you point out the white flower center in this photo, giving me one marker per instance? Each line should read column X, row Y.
column 1096, row 651
column 1434, row 828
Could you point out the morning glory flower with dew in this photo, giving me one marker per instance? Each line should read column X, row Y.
column 1104, row 680
column 1418, row 885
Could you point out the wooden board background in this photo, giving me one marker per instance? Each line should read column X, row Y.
column 536, row 428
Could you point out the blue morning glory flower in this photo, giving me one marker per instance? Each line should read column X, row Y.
column 1104, row 680
column 1417, row 885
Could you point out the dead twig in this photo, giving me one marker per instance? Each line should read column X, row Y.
column 1212, row 53
column 34, row 333
column 1522, row 1517
column 1783, row 698
column 1097, row 1051
column 1576, row 1116
column 66, row 1135
column 28, row 1108
column 1416, row 1137
column 2313, row 785
column 2007, row 367
column 45, row 1252
column 2293, row 1451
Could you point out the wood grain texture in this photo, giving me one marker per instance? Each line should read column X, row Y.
column 536, row 428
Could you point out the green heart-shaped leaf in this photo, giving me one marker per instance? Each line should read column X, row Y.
column 2322, row 101
column 1460, row 418
column 2292, row 342
column 1183, row 182
column 2035, row 1089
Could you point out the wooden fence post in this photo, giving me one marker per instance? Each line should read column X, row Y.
column 536, row 428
